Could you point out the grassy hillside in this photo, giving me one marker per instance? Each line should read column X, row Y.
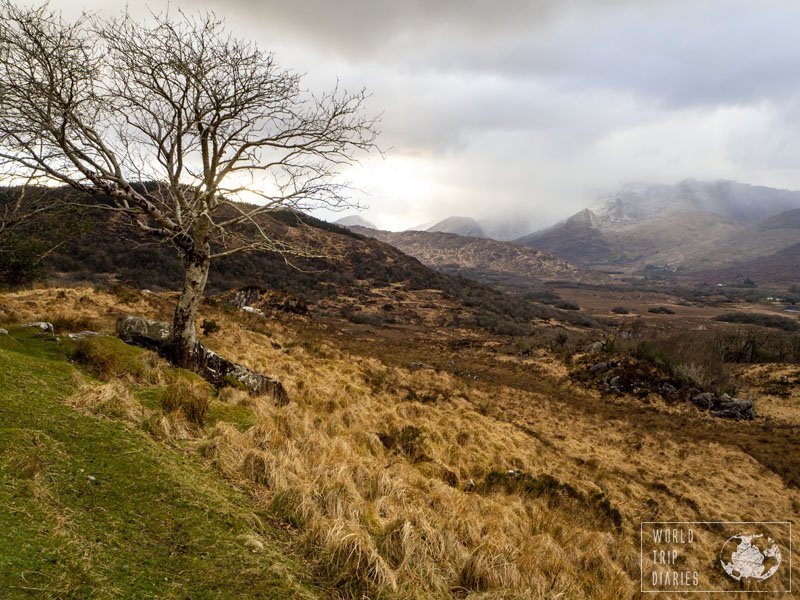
column 92, row 507
column 501, row 479
column 502, row 264
column 106, row 250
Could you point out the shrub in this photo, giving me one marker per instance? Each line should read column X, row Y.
column 365, row 318
column 661, row 310
column 764, row 320
column 20, row 262
column 124, row 293
column 209, row 326
column 567, row 305
column 620, row 310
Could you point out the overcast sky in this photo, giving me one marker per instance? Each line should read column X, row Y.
column 529, row 110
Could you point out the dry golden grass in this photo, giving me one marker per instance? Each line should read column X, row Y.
column 777, row 390
column 112, row 400
column 373, row 465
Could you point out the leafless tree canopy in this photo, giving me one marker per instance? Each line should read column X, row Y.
column 208, row 118
column 173, row 119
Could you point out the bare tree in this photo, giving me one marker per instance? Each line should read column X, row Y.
column 175, row 120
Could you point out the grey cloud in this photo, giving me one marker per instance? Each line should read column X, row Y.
column 529, row 108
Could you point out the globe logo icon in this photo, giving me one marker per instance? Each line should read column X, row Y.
column 753, row 557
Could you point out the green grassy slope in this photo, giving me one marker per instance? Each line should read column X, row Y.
column 90, row 508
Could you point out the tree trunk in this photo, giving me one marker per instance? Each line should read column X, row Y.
column 184, row 332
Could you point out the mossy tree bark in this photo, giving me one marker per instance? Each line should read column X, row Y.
column 184, row 331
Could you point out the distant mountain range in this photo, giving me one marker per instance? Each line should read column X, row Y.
column 499, row 228
column 690, row 226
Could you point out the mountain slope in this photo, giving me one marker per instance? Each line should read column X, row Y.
column 781, row 266
column 484, row 259
column 347, row 270
column 741, row 245
column 578, row 240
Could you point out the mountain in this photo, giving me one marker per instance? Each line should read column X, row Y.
column 503, row 264
column 578, row 240
column 690, row 225
column 355, row 221
column 457, row 225
column 744, row 204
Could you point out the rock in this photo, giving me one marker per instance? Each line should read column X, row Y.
column 143, row 332
column 727, row 403
column 253, row 311
column 3, row 331
column 222, row 372
column 262, row 299
column 83, row 335
column 598, row 368
column 242, row 297
column 734, row 408
column 470, row 487
column 725, row 406
column 731, row 413
column 597, row 346
column 704, row 400
column 615, row 381
column 667, row 389
column 43, row 325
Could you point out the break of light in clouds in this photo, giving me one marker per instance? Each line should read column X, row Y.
column 527, row 110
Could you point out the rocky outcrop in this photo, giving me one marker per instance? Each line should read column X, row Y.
column 725, row 406
column 222, row 372
column 629, row 377
column 242, row 297
column 43, row 325
column 82, row 335
column 254, row 298
column 143, row 332
column 219, row 371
